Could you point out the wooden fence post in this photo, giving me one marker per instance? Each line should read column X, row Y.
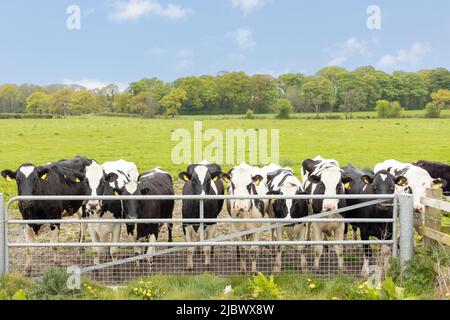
column 432, row 216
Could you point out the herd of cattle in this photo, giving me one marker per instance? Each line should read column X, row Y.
column 82, row 176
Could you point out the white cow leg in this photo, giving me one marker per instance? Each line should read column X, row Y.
column 365, row 268
column 277, row 266
column 55, row 239
column 254, row 253
column 30, row 237
column 386, row 254
column 151, row 250
column 115, row 238
column 339, row 234
column 97, row 250
column 210, row 232
column 191, row 250
column 319, row 248
column 303, row 231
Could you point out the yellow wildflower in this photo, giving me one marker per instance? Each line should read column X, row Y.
column 312, row 285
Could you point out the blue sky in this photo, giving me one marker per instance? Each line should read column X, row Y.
column 124, row 40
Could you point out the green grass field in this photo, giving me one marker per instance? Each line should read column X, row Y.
column 148, row 142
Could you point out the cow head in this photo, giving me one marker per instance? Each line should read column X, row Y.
column 97, row 183
column 242, row 182
column 283, row 182
column 382, row 182
column 328, row 181
column 418, row 181
column 27, row 177
column 131, row 207
column 202, row 178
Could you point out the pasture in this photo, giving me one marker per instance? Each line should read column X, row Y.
column 147, row 142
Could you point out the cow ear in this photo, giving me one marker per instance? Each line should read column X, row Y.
column 111, row 177
column 257, row 179
column 439, row 183
column 314, row 179
column 43, row 173
column 367, row 179
column 216, row 175
column 226, row 177
column 116, row 192
column 347, row 181
column 401, row 181
column 184, row 176
column 9, row 175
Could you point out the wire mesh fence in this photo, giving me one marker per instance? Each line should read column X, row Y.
column 225, row 258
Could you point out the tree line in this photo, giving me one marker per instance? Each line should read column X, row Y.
column 330, row 89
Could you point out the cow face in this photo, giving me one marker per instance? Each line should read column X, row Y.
column 382, row 183
column 418, row 181
column 242, row 183
column 27, row 177
column 97, row 183
column 289, row 208
column 202, row 179
column 131, row 207
column 329, row 182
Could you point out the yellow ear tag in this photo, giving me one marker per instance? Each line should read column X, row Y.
column 44, row 177
column 77, row 180
column 215, row 179
column 186, row 178
column 437, row 186
column 116, row 193
column 257, row 182
column 8, row 179
column 347, row 186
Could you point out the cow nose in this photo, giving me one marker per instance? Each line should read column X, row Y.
column 93, row 206
column 329, row 207
column 26, row 204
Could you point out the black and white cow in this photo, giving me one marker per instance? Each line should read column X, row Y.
column 437, row 170
column 102, row 180
column 368, row 182
column 417, row 180
column 156, row 182
column 53, row 179
column 246, row 180
column 284, row 182
column 201, row 179
column 324, row 177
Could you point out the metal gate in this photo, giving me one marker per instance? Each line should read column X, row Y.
column 170, row 258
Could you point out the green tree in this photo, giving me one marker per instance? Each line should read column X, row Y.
column 121, row 103
column 38, row 102
column 432, row 111
column 105, row 97
column 319, row 92
column 11, row 99
column 336, row 76
column 82, row 102
column 284, row 108
column 441, row 98
column 264, row 93
column 235, row 92
column 173, row 101
column 154, row 85
column 61, row 101
column 386, row 109
column 354, row 100
column 145, row 104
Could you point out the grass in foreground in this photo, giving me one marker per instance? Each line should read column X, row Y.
column 428, row 277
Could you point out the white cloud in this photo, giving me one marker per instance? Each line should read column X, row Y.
column 94, row 83
column 350, row 48
column 185, row 60
column 132, row 10
column 247, row 6
column 410, row 57
column 243, row 37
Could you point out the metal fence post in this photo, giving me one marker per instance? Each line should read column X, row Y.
column 406, row 228
column 202, row 224
column 3, row 230
column 394, row 228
